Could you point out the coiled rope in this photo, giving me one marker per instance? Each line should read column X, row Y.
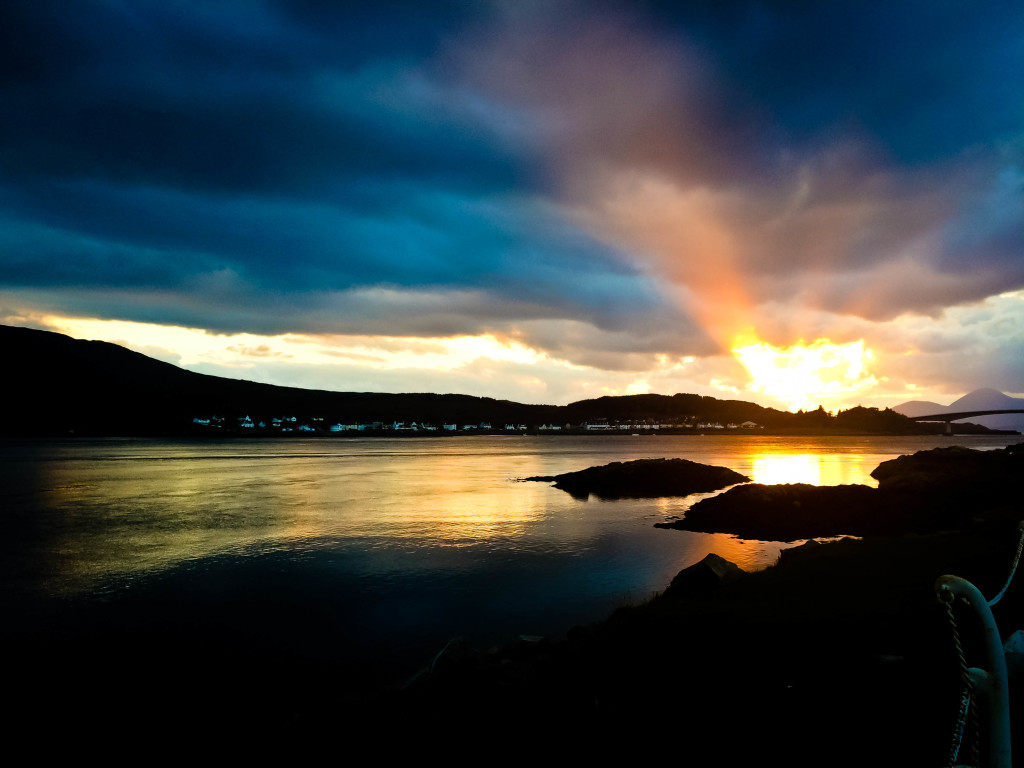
column 968, row 709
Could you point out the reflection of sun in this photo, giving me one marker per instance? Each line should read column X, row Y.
column 810, row 468
column 802, row 375
column 781, row 468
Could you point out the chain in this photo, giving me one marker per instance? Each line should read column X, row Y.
column 968, row 705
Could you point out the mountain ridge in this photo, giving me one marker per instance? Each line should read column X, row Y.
column 60, row 386
column 982, row 399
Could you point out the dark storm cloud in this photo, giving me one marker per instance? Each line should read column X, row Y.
column 223, row 249
column 760, row 152
column 214, row 159
column 234, row 99
column 550, row 171
column 927, row 79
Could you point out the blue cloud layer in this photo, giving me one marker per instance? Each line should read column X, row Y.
column 296, row 166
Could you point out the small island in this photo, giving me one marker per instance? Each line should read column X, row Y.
column 644, row 478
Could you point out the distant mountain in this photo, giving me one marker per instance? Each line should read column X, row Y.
column 977, row 400
column 56, row 385
column 986, row 399
column 919, row 408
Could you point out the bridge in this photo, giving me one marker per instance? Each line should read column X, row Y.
column 949, row 418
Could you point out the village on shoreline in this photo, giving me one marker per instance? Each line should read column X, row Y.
column 318, row 425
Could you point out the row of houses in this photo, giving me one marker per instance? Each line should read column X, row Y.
column 602, row 425
column 318, row 424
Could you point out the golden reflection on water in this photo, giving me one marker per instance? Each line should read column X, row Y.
column 810, row 468
column 123, row 518
column 452, row 502
column 117, row 520
column 748, row 554
column 106, row 512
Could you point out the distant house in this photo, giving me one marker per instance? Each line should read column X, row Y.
column 749, row 425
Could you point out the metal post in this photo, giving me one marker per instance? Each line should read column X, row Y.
column 992, row 684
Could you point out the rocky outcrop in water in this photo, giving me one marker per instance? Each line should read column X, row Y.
column 940, row 489
column 786, row 512
column 645, row 478
column 954, row 473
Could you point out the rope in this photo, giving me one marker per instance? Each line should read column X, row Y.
column 968, row 706
column 441, row 652
column 1013, row 569
column 968, row 709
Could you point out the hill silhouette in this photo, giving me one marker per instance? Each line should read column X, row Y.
column 57, row 385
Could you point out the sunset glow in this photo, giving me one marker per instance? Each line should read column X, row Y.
column 482, row 201
column 244, row 350
column 805, row 375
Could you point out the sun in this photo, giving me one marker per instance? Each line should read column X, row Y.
column 806, row 375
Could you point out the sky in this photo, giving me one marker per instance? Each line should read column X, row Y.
column 784, row 202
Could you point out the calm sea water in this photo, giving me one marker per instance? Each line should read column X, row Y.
column 394, row 544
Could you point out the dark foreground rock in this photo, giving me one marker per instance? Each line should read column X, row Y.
column 645, row 478
column 839, row 655
column 940, row 489
column 704, row 577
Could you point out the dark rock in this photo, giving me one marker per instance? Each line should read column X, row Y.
column 945, row 488
column 940, row 489
column 702, row 578
column 955, row 470
column 645, row 478
column 787, row 512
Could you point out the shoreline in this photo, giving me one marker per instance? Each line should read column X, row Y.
column 212, row 434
